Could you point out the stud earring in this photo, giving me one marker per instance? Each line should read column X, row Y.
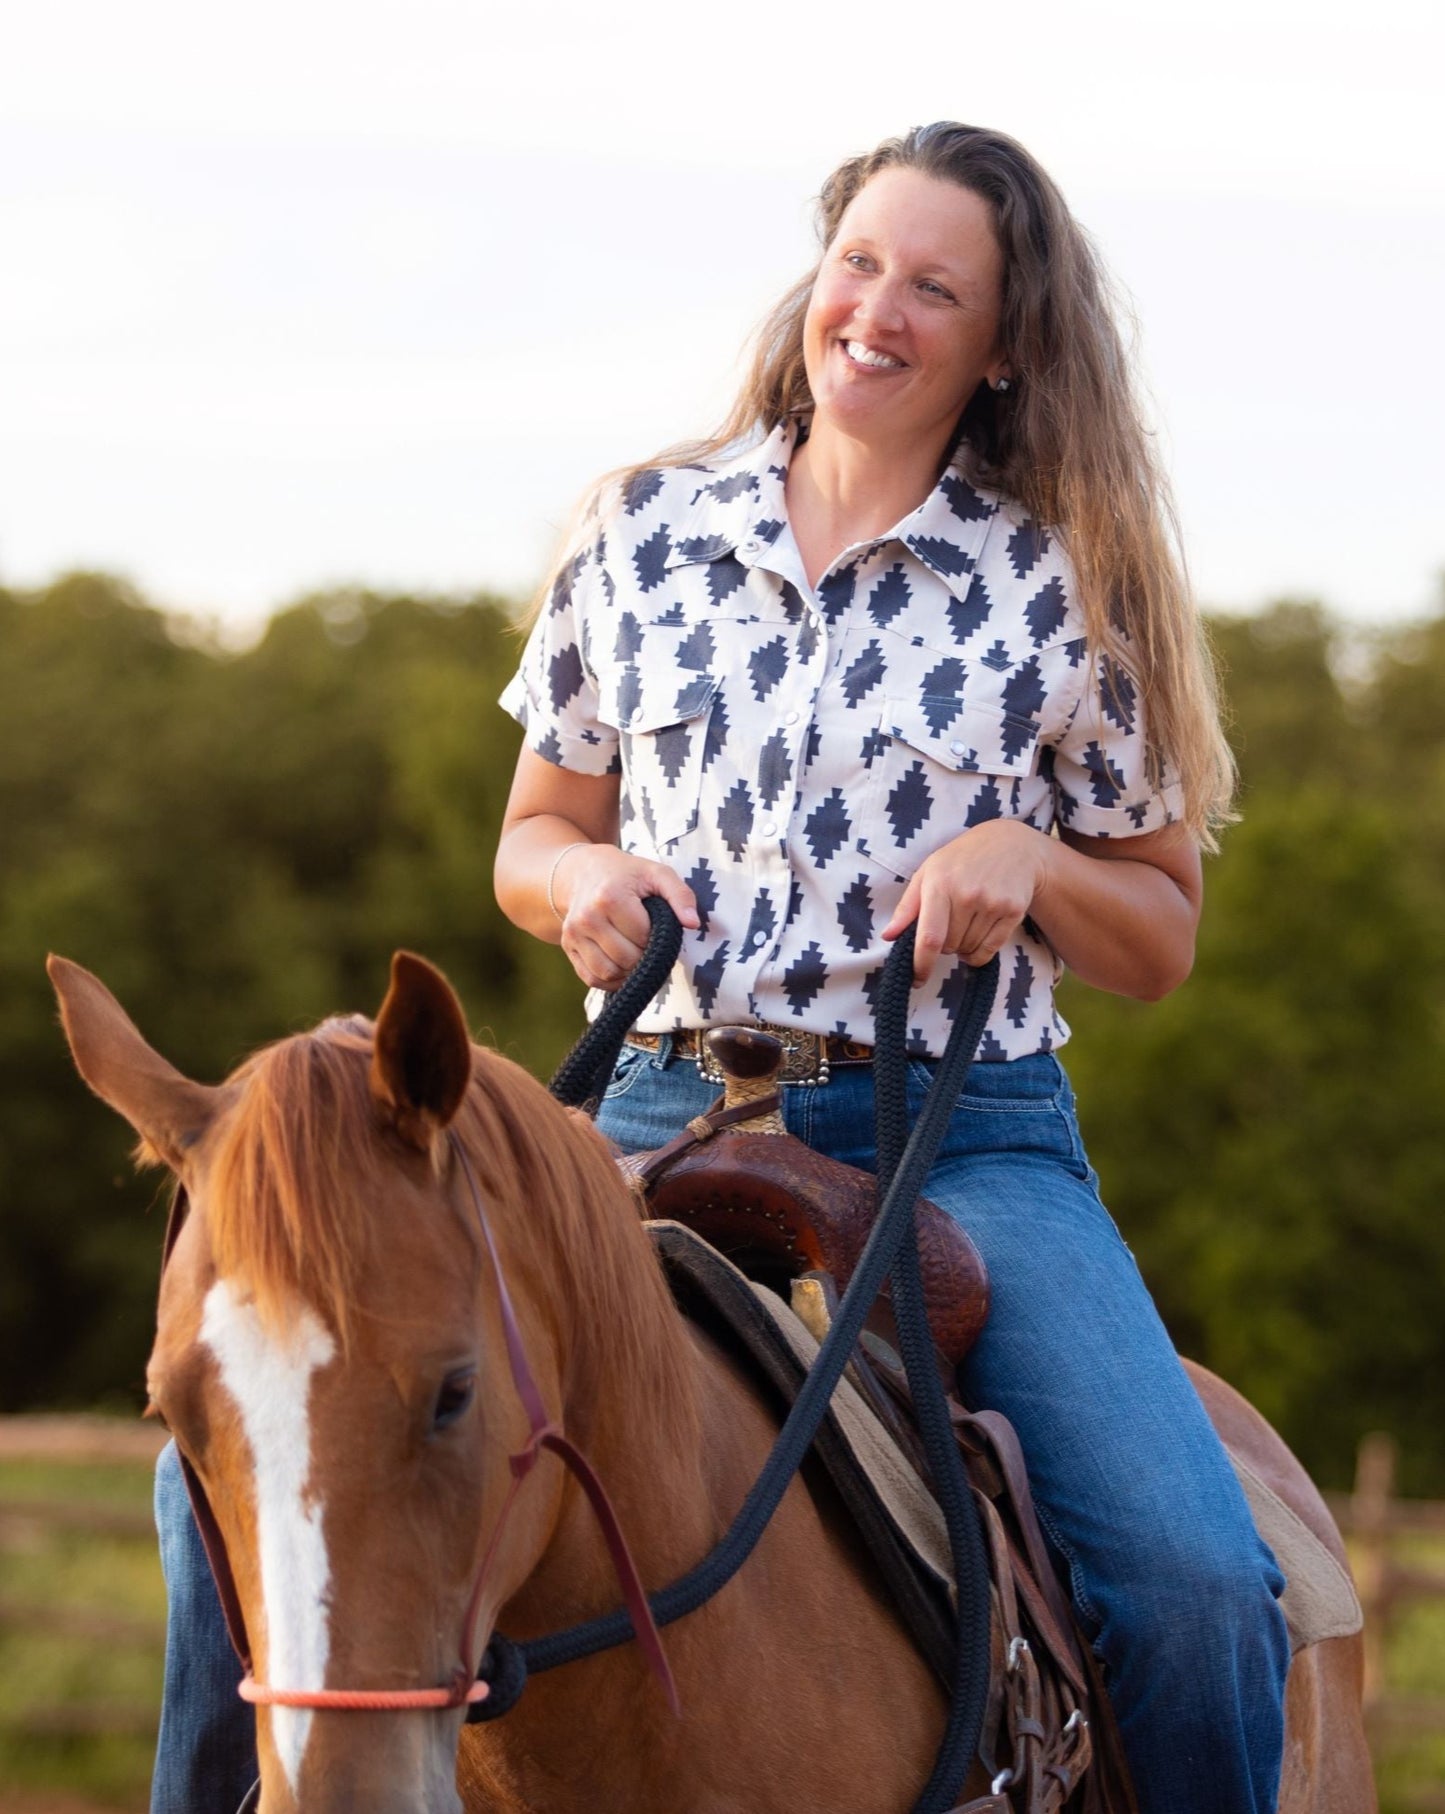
column 1001, row 386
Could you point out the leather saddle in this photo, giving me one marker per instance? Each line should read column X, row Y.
column 796, row 1221
column 778, row 1209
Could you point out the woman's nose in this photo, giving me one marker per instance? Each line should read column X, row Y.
column 881, row 306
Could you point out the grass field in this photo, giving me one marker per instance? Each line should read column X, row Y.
column 81, row 1612
column 81, row 1626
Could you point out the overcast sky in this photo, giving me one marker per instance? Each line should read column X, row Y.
column 304, row 293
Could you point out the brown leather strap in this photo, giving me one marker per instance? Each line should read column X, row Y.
column 1038, row 1584
column 215, row 1547
column 648, row 1167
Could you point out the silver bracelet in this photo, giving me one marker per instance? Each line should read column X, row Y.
column 581, row 844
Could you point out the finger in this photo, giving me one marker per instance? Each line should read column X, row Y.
column 988, row 942
column 932, row 935
column 906, row 911
column 603, row 960
column 678, row 895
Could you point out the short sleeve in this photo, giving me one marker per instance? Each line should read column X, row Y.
column 1107, row 781
column 553, row 694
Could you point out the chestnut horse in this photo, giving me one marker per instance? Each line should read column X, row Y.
column 332, row 1357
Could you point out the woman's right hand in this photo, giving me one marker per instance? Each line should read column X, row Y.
column 599, row 890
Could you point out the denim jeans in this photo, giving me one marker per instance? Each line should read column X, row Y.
column 1151, row 1529
column 1148, row 1522
column 206, row 1751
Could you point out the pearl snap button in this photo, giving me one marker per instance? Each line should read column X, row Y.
column 790, row 718
column 957, row 748
column 770, row 830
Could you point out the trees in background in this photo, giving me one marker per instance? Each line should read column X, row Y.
column 236, row 843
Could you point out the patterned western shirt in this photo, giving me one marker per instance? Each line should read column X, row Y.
column 796, row 752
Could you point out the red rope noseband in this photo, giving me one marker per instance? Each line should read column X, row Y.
column 352, row 1700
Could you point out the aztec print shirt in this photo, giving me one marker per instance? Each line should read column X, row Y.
column 796, row 753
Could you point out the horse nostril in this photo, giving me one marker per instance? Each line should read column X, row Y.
column 454, row 1396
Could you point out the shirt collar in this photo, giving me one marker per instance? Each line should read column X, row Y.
column 740, row 510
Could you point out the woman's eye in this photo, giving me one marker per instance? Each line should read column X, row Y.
column 456, row 1393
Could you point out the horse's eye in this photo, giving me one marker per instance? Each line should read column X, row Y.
column 456, row 1393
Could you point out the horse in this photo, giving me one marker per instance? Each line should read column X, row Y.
column 335, row 1354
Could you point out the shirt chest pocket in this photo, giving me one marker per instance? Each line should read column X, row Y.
column 662, row 720
column 940, row 763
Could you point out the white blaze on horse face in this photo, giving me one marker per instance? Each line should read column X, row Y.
column 269, row 1377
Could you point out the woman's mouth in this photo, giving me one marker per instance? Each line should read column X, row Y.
column 859, row 353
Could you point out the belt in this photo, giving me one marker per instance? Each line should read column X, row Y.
column 807, row 1057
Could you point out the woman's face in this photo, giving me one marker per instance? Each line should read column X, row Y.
column 903, row 321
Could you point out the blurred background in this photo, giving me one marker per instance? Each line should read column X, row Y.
column 314, row 323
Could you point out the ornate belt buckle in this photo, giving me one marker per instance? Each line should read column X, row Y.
column 805, row 1055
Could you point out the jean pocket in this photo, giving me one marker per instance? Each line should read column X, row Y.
column 630, row 1065
column 1021, row 1111
column 1022, row 1086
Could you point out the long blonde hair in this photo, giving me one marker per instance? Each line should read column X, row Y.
column 1066, row 441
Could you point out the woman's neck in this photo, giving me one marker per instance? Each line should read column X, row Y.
column 841, row 491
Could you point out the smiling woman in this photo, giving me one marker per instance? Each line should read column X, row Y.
column 906, row 642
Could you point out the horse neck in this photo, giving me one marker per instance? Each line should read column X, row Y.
column 644, row 1422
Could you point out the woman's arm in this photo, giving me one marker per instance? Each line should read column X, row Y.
column 597, row 888
column 1121, row 912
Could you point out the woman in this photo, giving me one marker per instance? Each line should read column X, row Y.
column 905, row 643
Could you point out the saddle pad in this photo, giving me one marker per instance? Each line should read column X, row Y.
column 894, row 1513
column 898, row 1516
column 1319, row 1598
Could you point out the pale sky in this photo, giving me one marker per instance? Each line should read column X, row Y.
column 303, row 293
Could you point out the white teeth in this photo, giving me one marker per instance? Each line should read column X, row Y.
column 865, row 355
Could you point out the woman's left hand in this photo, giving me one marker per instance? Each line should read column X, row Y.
column 969, row 897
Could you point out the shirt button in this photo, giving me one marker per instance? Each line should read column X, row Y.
column 751, row 546
column 790, row 718
column 957, row 748
column 770, row 830
column 636, row 713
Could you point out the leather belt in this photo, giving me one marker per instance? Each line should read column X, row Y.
column 807, row 1057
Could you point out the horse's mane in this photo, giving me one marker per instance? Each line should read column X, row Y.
column 288, row 1208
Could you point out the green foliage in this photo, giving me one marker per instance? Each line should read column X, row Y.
column 236, row 843
column 1269, row 1136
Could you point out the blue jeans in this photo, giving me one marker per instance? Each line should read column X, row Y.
column 206, row 1751
column 1167, row 1573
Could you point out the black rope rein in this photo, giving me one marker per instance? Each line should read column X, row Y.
column 904, row 1160
column 582, row 1075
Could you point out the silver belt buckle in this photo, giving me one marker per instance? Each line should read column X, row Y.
column 805, row 1056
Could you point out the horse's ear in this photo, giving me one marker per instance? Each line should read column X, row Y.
column 422, row 1062
column 166, row 1109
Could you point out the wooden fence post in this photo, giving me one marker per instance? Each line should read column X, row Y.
column 1370, row 1527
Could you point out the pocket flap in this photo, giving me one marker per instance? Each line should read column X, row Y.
column 640, row 703
column 964, row 736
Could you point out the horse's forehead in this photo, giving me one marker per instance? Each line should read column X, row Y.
column 265, row 1364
